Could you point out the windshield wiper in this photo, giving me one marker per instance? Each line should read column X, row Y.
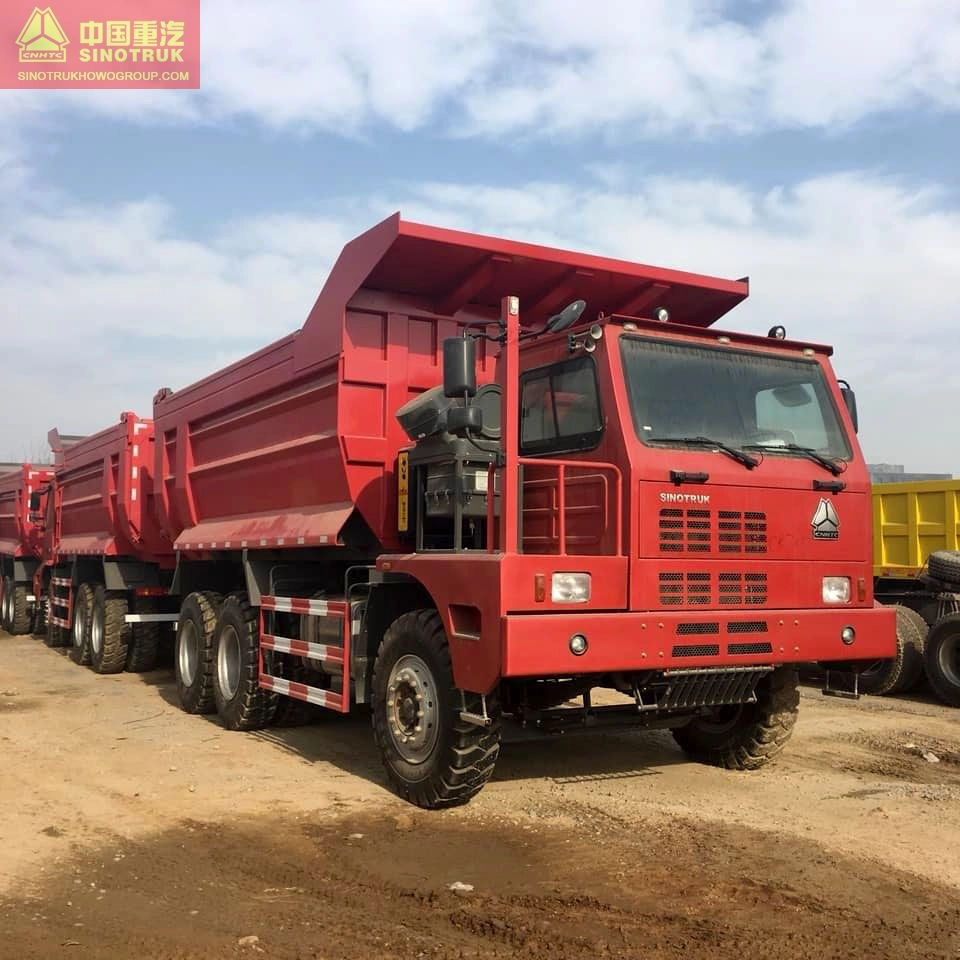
column 737, row 454
column 832, row 465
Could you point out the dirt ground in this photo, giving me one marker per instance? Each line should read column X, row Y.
column 131, row 830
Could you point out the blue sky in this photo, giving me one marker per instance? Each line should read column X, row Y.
column 148, row 238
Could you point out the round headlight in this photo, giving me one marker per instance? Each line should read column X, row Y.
column 848, row 635
column 578, row 644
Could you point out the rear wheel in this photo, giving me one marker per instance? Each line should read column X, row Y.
column 904, row 671
column 193, row 651
column 432, row 757
column 80, row 633
column 942, row 660
column 6, row 588
column 19, row 611
column 109, row 632
column 747, row 736
column 144, row 643
column 241, row 703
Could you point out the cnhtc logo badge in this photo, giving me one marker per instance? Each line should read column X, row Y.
column 825, row 522
column 42, row 39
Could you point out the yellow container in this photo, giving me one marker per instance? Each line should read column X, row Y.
column 911, row 521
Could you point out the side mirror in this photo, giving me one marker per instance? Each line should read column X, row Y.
column 850, row 402
column 35, row 501
column 568, row 316
column 459, row 367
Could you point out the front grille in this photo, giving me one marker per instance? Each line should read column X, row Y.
column 678, row 589
column 685, row 531
column 698, row 629
column 742, row 589
column 696, row 589
column 747, row 626
column 692, row 531
column 740, row 649
column 696, row 650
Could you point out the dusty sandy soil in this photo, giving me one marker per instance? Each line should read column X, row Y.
column 131, row 830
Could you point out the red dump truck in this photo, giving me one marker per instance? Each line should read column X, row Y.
column 494, row 482
column 105, row 565
column 20, row 546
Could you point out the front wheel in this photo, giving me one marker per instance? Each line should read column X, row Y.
column 747, row 736
column 433, row 757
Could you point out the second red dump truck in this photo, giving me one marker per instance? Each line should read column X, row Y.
column 21, row 545
column 489, row 481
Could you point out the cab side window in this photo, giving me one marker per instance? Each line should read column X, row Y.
column 560, row 408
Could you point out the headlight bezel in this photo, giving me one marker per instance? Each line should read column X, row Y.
column 835, row 590
column 570, row 587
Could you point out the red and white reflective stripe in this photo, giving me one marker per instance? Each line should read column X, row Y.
column 300, row 648
column 58, row 622
column 318, row 608
column 61, row 581
column 300, row 691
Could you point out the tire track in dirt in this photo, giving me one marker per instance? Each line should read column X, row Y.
column 355, row 887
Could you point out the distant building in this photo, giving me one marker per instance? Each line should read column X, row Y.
column 894, row 473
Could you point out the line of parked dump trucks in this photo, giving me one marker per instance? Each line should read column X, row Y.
column 489, row 482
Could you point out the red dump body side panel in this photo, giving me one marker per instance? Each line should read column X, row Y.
column 280, row 448
column 103, row 496
column 19, row 537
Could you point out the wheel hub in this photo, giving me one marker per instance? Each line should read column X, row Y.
column 188, row 652
column 412, row 713
column 228, row 662
column 948, row 658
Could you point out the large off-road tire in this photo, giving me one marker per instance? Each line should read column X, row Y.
column 433, row 758
column 241, row 703
column 39, row 625
column 748, row 736
column 109, row 632
column 56, row 636
column 144, row 641
column 942, row 659
column 905, row 670
column 194, row 651
column 80, row 631
column 944, row 565
column 6, row 587
column 19, row 611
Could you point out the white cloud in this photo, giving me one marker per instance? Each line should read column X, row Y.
column 113, row 302
column 545, row 68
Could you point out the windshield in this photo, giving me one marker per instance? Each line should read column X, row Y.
column 733, row 397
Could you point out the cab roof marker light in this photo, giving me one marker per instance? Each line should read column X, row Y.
column 778, row 332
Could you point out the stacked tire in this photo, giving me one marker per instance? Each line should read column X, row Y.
column 942, row 650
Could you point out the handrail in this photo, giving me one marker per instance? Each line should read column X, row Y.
column 561, row 467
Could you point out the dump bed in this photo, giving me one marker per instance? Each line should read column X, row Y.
column 19, row 536
column 911, row 521
column 296, row 444
column 103, row 494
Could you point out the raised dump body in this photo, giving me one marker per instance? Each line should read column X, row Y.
column 297, row 443
column 104, row 494
column 105, row 557
column 21, row 543
column 911, row 521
